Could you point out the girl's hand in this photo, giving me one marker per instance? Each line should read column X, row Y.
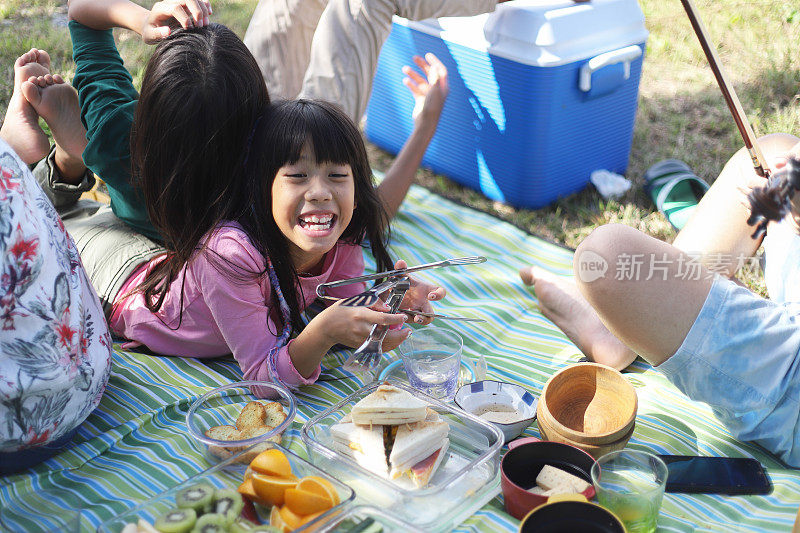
column 420, row 296
column 429, row 93
column 170, row 14
column 351, row 325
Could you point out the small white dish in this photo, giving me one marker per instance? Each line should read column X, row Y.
column 509, row 407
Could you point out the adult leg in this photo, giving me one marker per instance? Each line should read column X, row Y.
column 650, row 294
column 279, row 36
column 562, row 303
column 718, row 230
column 348, row 41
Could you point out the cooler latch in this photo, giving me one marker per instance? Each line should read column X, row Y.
column 619, row 60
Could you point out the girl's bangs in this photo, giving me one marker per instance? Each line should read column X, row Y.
column 329, row 137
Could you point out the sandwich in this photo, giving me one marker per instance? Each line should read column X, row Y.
column 395, row 435
column 389, row 406
column 365, row 445
column 418, row 450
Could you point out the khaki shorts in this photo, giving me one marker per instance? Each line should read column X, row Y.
column 329, row 49
column 110, row 250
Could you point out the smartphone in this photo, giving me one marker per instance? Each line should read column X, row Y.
column 716, row 475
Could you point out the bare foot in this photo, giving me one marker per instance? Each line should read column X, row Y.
column 21, row 124
column 57, row 103
column 561, row 302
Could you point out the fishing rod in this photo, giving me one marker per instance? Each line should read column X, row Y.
column 773, row 201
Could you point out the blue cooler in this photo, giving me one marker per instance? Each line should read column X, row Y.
column 542, row 93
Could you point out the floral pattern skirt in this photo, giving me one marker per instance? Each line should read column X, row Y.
column 55, row 349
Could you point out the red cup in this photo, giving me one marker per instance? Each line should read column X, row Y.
column 523, row 462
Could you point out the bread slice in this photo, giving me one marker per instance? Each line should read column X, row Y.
column 253, row 415
column 389, row 405
column 536, row 489
column 559, row 481
column 275, row 414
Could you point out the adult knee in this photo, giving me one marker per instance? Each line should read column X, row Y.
column 595, row 258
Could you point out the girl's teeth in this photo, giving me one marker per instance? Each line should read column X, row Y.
column 316, row 222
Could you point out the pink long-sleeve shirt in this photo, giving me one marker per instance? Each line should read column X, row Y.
column 223, row 314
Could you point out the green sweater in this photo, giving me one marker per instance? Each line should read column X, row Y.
column 108, row 99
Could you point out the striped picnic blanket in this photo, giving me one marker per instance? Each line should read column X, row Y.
column 135, row 444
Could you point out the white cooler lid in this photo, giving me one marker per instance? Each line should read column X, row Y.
column 544, row 33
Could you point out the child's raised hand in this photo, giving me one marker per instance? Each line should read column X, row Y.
column 429, row 92
column 420, row 296
column 169, row 14
column 351, row 325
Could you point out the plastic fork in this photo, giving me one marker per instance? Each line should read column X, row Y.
column 368, row 355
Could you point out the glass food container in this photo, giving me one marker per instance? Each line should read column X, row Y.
column 467, row 478
column 229, row 474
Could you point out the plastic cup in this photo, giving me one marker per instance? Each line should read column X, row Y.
column 630, row 484
column 432, row 359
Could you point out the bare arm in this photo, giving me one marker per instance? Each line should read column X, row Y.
column 107, row 14
column 430, row 94
column 152, row 24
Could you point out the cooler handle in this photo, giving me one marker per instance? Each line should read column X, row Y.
column 623, row 55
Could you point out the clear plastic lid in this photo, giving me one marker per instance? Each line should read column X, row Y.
column 465, row 480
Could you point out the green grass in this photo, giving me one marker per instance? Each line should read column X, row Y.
column 681, row 112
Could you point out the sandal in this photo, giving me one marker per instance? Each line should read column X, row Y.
column 674, row 189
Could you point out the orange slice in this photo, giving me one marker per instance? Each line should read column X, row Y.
column 304, row 503
column 246, row 489
column 270, row 489
column 272, row 462
column 319, row 486
column 289, row 518
column 276, row 520
column 309, row 518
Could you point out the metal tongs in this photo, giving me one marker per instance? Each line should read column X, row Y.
column 368, row 355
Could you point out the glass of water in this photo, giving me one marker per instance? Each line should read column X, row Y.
column 631, row 484
column 432, row 359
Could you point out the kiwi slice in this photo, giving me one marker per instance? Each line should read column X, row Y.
column 228, row 503
column 211, row 523
column 241, row 526
column 176, row 521
column 197, row 497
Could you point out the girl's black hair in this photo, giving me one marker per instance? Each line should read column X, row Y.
column 279, row 139
column 201, row 93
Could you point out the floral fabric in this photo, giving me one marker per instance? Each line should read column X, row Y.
column 55, row 349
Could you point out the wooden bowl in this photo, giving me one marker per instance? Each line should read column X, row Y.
column 595, row 450
column 588, row 404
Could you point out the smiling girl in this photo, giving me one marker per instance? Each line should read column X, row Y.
column 306, row 209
